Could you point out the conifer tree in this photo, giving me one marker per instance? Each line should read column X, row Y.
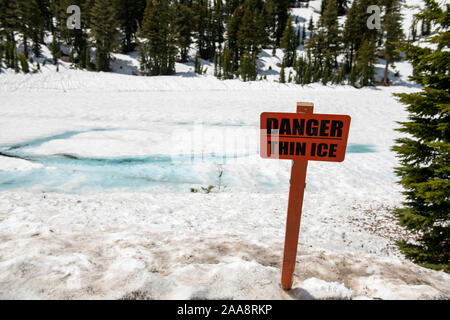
column 281, row 12
column 302, row 42
column 104, row 30
column 55, row 50
column 393, row 34
column 2, row 49
column 425, row 152
column 227, row 64
column 340, row 76
column 307, row 75
column 184, row 28
column 24, row 63
column 16, row 61
column 159, row 29
column 326, row 70
column 413, row 32
column 282, row 74
column 365, row 64
column 218, row 25
column 129, row 13
column 311, row 25
column 355, row 30
column 87, row 57
column 329, row 21
column 289, row 44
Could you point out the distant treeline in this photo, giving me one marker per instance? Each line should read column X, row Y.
column 231, row 33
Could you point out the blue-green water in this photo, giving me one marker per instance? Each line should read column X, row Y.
column 68, row 173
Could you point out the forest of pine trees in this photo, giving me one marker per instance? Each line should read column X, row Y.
column 425, row 152
column 230, row 33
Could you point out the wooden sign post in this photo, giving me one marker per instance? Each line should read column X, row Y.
column 301, row 136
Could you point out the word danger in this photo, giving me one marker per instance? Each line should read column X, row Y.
column 317, row 137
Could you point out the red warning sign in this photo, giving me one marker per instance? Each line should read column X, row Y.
column 319, row 137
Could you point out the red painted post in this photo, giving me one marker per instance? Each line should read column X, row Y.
column 294, row 212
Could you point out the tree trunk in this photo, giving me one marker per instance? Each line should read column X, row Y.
column 25, row 45
column 386, row 74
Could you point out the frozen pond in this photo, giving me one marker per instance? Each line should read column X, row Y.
column 68, row 172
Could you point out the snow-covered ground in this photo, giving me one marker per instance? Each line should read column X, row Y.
column 96, row 172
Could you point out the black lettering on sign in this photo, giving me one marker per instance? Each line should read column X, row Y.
column 313, row 150
column 336, row 128
column 300, row 149
column 291, row 148
column 324, row 128
column 312, row 127
column 272, row 123
column 298, row 128
column 322, row 150
column 285, row 127
column 333, row 149
column 283, row 148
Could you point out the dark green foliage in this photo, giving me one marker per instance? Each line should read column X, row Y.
column 16, row 61
column 329, row 21
column 87, row 57
column 365, row 63
column 282, row 74
column 289, row 43
column 104, row 32
column 227, row 68
column 198, row 66
column 393, row 34
column 129, row 15
column 308, row 73
column 24, row 63
column 413, row 32
column 425, row 152
column 159, row 51
column 340, row 76
column 355, row 30
column 302, row 42
column 55, row 50
column 184, row 28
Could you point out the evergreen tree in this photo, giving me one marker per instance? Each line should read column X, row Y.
column 129, row 13
column 413, row 32
column 218, row 25
column 16, row 61
column 394, row 33
column 227, row 64
column 2, row 49
column 365, row 64
column 104, row 30
column 308, row 72
column 24, row 63
column 55, row 50
column 282, row 74
column 184, row 28
column 289, row 44
column 87, row 57
column 326, row 71
column 311, row 25
column 159, row 29
column 203, row 29
column 302, row 42
column 425, row 153
column 329, row 21
column 281, row 12
column 355, row 30
column 340, row 76
column 317, row 72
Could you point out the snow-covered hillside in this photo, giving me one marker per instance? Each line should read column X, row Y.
column 97, row 169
